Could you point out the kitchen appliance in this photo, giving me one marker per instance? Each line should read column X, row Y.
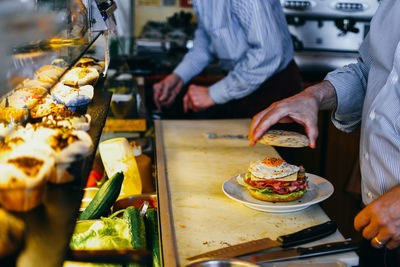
column 306, row 235
column 327, row 34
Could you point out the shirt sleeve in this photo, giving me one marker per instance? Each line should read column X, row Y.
column 265, row 56
column 197, row 58
column 350, row 83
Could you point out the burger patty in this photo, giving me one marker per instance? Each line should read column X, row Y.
column 279, row 187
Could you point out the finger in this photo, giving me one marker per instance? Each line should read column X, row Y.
column 165, row 88
column 312, row 133
column 361, row 220
column 171, row 97
column 370, row 231
column 392, row 244
column 254, row 123
column 156, row 96
column 185, row 103
column 377, row 242
column 269, row 119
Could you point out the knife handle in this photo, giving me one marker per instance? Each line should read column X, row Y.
column 307, row 235
column 329, row 248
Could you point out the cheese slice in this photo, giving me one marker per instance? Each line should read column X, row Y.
column 289, row 178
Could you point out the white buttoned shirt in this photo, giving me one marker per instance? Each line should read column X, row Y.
column 368, row 94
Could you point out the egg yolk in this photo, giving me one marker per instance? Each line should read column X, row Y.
column 273, row 162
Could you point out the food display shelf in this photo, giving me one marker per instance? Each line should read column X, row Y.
column 49, row 227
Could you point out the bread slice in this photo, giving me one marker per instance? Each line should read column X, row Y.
column 276, row 197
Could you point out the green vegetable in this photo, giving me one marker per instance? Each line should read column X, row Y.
column 153, row 243
column 136, row 227
column 103, row 234
column 104, row 199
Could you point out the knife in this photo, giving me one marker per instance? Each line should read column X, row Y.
column 302, row 252
column 284, row 241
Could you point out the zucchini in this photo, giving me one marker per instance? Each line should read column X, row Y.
column 136, row 227
column 104, row 199
column 153, row 243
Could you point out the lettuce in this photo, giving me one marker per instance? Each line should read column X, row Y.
column 105, row 233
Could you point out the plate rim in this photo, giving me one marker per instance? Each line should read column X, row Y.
column 277, row 208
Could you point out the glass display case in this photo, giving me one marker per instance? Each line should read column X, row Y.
column 54, row 57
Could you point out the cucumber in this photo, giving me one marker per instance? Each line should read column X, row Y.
column 136, row 227
column 104, row 199
column 153, row 243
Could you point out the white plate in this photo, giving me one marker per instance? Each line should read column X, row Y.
column 319, row 190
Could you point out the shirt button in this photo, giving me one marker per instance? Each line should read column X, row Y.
column 366, row 156
column 369, row 194
column 395, row 78
column 372, row 115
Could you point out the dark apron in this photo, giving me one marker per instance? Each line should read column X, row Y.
column 281, row 85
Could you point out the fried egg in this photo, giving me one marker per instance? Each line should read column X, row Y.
column 271, row 168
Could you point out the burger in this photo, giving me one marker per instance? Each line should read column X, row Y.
column 274, row 180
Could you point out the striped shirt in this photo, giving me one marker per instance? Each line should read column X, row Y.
column 250, row 39
column 368, row 93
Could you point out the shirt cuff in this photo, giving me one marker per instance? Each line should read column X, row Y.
column 344, row 118
column 218, row 92
column 347, row 102
column 186, row 71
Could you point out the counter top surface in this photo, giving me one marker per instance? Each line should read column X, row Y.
column 203, row 218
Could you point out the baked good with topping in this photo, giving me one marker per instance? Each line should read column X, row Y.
column 274, row 180
column 11, row 114
column 69, row 147
column 23, row 180
column 75, row 98
column 86, row 62
column 49, row 73
column 47, row 106
column 23, row 97
column 67, row 119
column 81, row 76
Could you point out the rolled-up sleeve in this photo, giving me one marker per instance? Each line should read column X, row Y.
column 350, row 83
column 266, row 55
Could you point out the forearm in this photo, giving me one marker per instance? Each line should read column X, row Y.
column 324, row 93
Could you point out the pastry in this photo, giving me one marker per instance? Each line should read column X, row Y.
column 75, row 98
column 23, row 179
column 49, row 73
column 70, row 147
column 11, row 114
column 81, row 76
column 46, row 106
column 67, row 119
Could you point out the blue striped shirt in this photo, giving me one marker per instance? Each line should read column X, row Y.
column 249, row 38
column 368, row 93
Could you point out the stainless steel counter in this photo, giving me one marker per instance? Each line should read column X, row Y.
column 195, row 215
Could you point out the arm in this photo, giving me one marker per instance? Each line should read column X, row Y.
column 350, row 83
column 292, row 109
column 198, row 57
column 343, row 90
column 266, row 54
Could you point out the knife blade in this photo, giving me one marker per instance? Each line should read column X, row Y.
column 303, row 252
column 303, row 236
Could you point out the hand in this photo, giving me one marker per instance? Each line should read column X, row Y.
column 301, row 108
column 381, row 220
column 197, row 98
column 166, row 90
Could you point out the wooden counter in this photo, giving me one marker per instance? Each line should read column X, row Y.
column 195, row 215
